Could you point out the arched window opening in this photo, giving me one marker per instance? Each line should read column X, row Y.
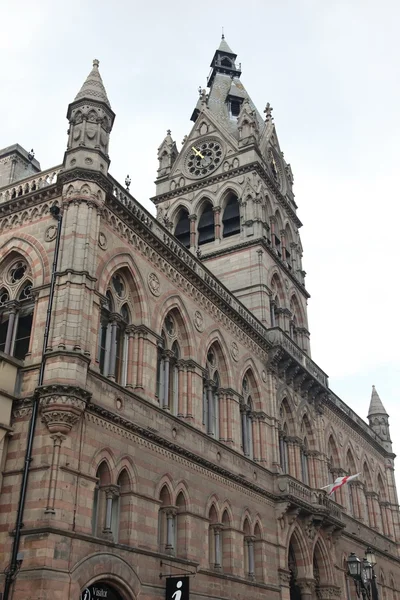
column 182, row 229
column 168, row 356
column 226, row 543
column 105, row 516
column 206, row 226
column 247, row 419
column 382, row 506
column 248, row 551
column 304, row 462
column 283, row 437
column 283, row 449
column 214, row 540
column 258, row 554
column 351, row 469
column 167, row 523
column 231, row 217
column 124, row 508
column 181, row 543
column 295, row 592
column 211, row 385
column 226, row 62
column 115, row 318
column 16, row 311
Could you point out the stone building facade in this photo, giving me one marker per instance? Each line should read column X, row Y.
column 183, row 426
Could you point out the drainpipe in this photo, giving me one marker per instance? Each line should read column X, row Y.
column 16, row 558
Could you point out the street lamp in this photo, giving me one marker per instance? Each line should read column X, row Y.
column 363, row 574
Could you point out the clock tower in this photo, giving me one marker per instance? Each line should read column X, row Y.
column 227, row 196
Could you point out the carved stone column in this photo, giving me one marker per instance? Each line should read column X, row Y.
column 217, row 529
column 193, row 219
column 12, row 311
column 61, row 407
column 129, row 368
column 307, row 587
column 181, row 390
column 217, row 222
column 284, row 582
column 140, row 360
column 111, row 493
column 249, row 539
column 170, row 513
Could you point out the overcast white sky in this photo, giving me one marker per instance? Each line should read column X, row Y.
column 331, row 72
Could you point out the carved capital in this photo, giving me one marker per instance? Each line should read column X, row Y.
column 62, row 406
column 284, row 577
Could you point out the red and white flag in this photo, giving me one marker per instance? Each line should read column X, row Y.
column 332, row 487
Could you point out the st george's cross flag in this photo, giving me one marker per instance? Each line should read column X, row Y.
column 332, row 487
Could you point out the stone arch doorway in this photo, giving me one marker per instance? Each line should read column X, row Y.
column 101, row 590
column 295, row 592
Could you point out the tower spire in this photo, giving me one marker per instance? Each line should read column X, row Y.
column 93, row 88
column 379, row 419
column 376, row 407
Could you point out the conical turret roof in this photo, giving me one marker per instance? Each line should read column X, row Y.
column 93, row 88
column 224, row 46
column 376, row 407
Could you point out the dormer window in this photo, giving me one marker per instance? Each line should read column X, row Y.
column 235, row 107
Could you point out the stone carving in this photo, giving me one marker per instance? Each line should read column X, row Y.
column 264, row 376
column 154, row 284
column 51, row 233
column 102, row 241
column 198, row 321
column 62, row 406
column 235, row 351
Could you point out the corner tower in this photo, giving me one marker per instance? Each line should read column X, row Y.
column 84, row 185
column 227, row 195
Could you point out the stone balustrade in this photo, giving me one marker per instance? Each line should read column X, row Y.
column 29, row 185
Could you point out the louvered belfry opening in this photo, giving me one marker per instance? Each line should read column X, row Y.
column 231, row 217
column 182, row 229
column 206, row 228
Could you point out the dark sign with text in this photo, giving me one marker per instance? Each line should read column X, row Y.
column 99, row 591
column 177, row 588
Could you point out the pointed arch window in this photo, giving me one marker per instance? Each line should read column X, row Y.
column 113, row 336
column 16, row 311
column 304, row 462
column 167, row 523
column 247, row 419
column 283, row 449
column 206, row 226
column 211, row 385
column 105, row 515
column 231, row 217
column 182, row 228
column 168, row 356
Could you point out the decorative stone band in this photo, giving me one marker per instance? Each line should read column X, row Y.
column 62, row 406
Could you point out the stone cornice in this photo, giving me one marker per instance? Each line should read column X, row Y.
column 157, row 439
column 97, row 177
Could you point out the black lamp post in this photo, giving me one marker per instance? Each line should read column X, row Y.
column 363, row 574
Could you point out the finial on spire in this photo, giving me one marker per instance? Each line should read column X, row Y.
column 223, row 36
column 268, row 112
column 96, row 63
column 168, row 132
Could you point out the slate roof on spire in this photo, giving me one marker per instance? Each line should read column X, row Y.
column 93, row 88
column 376, row 407
column 224, row 47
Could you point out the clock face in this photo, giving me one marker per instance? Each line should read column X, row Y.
column 203, row 158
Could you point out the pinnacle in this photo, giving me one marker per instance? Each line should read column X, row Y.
column 93, row 88
column 376, row 407
column 224, row 45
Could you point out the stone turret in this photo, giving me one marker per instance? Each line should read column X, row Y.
column 90, row 123
column 379, row 419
